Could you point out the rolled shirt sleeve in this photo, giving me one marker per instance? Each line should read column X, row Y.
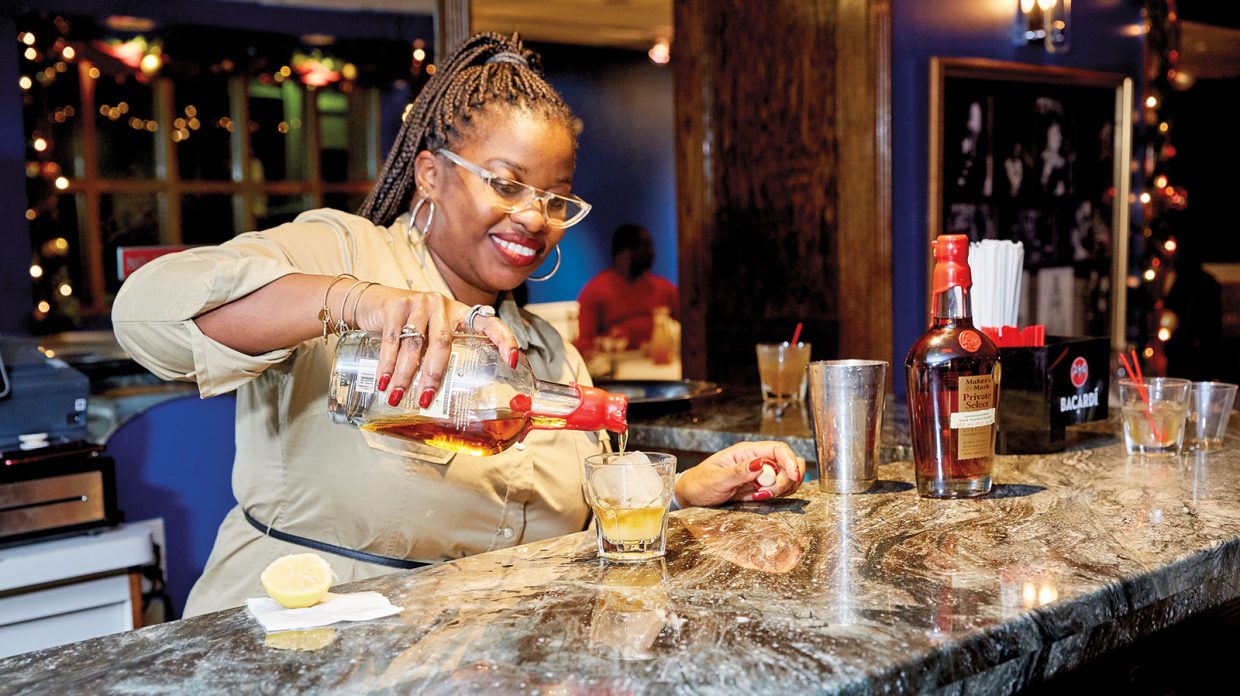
column 153, row 314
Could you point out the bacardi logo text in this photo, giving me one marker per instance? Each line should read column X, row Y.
column 1077, row 402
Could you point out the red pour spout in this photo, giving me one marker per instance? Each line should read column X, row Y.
column 600, row 410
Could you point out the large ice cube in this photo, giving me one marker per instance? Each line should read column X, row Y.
column 628, row 482
column 630, row 459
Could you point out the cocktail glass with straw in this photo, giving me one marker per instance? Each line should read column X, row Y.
column 1153, row 411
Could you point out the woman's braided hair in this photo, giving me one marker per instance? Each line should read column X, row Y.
column 488, row 71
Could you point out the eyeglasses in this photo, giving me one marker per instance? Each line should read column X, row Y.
column 513, row 196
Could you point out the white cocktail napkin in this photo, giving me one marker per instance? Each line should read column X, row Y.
column 334, row 608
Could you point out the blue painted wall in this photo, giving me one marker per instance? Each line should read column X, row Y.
column 625, row 164
column 1105, row 36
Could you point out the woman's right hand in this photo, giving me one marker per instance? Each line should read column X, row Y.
column 434, row 316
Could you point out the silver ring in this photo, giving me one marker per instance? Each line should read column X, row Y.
column 408, row 331
column 478, row 310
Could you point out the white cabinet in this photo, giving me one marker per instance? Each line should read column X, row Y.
column 66, row 590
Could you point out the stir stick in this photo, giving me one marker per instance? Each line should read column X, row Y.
column 1134, row 373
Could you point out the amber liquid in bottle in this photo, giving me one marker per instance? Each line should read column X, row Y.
column 492, row 433
column 952, row 369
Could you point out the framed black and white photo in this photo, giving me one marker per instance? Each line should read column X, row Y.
column 1040, row 155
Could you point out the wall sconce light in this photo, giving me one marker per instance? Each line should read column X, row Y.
column 1044, row 21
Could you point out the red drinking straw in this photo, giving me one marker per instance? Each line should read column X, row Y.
column 1136, row 365
column 796, row 333
column 1134, row 373
column 1145, row 394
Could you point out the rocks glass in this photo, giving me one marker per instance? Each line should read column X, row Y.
column 630, row 494
column 1209, row 408
column 781, row 369
column 1153, row 413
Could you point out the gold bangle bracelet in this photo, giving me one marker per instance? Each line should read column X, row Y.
column 325, row 312
column 358, row 300
column 341, row 325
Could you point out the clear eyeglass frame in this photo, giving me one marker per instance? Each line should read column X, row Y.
column 511, row 196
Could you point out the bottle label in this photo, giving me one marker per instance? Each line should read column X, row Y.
column 962, row 420
column 366, row 370
column 974, row 417
column 441, row 405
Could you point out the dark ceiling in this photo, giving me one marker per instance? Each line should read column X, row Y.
column 1222, row 13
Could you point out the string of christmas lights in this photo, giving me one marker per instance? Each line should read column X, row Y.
column 1151, row 324
column 57, row 52
column 46, row 56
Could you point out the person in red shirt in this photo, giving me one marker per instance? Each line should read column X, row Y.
column 620, row 301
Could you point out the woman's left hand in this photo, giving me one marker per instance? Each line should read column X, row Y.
column 732, row 474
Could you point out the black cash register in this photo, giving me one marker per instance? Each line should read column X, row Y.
column 53, row 482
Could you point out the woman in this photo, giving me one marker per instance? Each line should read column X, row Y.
column 475, row 195
column 622, row 299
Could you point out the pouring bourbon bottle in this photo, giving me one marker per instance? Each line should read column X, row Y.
column 953, row 385
column 482, row 407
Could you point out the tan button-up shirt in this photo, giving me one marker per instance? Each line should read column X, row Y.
column 304, row 475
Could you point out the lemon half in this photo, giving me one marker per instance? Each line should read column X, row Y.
column 297, row 580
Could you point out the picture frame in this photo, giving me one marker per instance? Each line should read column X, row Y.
column 1041, row 155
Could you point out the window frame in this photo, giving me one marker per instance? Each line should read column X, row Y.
column 169, row 187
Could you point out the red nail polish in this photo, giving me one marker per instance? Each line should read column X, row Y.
column 428, row 395
column 762, row 495
column 512, row 358
column 395, row 396
column 755, row 465
column 383, row 382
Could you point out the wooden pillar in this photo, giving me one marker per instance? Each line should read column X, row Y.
column 452, row 25
column 783, row 179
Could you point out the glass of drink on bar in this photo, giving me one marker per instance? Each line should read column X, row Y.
column 1209, row 409
column 1154, row 413
column 781, row 369
column 630, row 494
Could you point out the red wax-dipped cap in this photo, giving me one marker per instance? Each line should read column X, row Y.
column 599, row 410
column 951, row 262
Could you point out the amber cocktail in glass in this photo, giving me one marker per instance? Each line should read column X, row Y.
column 630, row 494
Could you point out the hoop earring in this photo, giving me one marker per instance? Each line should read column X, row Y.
column 555, row 268
column 413, row 219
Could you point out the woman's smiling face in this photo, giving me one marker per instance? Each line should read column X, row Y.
column 482, row 251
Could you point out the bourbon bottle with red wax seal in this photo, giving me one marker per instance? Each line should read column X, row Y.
column 953, row 385
column 482, row 407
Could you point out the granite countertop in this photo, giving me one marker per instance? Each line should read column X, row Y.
column 737, row 414
column 1072, row 555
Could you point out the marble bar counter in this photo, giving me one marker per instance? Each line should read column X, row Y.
column 738, row 414
column 1071, row 556
column 735, row 415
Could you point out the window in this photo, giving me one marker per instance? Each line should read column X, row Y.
column 130, row 147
